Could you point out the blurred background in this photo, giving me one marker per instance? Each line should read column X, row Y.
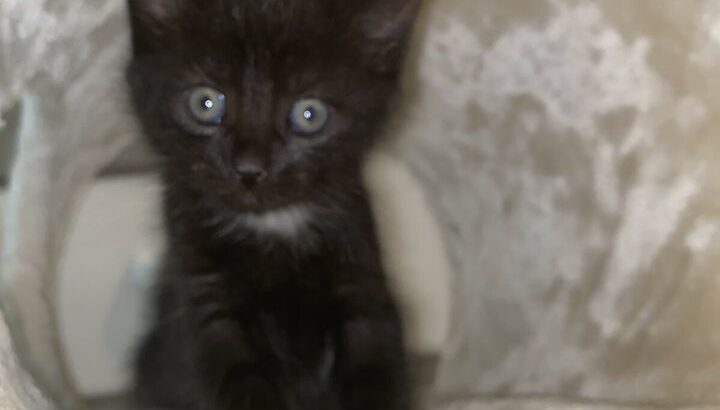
column 117, row 234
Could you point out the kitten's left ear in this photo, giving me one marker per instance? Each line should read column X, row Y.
column 387, row 26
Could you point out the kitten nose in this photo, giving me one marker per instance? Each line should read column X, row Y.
column 250, row 172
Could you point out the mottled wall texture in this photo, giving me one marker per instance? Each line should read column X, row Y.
column 570, row 150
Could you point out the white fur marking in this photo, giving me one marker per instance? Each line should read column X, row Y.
column 287, row 222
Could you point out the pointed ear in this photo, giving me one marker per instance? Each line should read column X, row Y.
column 151, row 20
column 387, row 26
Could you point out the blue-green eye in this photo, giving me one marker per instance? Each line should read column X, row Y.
column 309, row 116
column 206, row 105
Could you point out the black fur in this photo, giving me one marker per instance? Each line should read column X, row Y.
column 249, row 320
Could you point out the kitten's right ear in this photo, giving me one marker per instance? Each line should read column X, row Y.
column 386, row 26
column 151, row 20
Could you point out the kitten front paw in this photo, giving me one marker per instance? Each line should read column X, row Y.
column 250, row 391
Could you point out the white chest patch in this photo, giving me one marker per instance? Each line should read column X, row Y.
column 287, row 222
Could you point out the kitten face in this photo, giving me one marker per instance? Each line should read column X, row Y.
column 261, row 105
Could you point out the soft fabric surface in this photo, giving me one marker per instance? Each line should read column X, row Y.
column 64, row 59
column 17, row 390
column 551, row 404
column 568, row 149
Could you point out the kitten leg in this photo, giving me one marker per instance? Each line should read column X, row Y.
column 200, row 354
column 235, row 374
column 372, row 368
column 163, row 372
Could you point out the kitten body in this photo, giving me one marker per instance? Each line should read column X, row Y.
column 272, row 294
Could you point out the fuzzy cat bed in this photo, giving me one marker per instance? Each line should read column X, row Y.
column 64, row 60
column 568, row 150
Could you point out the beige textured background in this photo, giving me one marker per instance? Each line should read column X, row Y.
column 570, row 150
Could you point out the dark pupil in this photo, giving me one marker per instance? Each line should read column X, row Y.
column 309, row 114
column 207, row 103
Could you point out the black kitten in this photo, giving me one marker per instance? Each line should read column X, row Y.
column 272, row 294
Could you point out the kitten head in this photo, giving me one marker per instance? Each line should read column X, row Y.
column 257, row 105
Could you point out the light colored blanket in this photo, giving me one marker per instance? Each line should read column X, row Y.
column 64, row 60
column 568, row 149
column 17, row 390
